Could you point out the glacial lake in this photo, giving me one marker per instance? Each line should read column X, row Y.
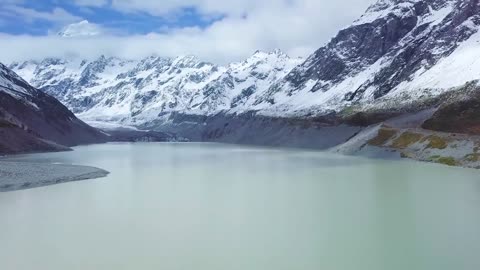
column 222, row 207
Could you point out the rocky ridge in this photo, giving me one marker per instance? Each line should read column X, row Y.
column 31, row 120
column 133, row 92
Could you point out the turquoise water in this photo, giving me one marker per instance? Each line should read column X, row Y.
column 210, row 206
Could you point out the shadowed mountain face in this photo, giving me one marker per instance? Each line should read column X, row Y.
column 31, row 120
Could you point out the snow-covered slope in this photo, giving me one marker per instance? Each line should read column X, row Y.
column 135, row 92
column 11, row 83
column 398, row 51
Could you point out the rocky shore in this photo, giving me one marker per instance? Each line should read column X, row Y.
column 25, row 175
column 443, row 129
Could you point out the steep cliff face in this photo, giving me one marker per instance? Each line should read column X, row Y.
column 32, row 120
column 398, row 50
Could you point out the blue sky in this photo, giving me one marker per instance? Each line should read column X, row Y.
column 139, row 22
column 214, row 30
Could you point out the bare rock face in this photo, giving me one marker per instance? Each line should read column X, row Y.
column 397, row 50
column 458, row 114
column 34, row 121
column 461, row 117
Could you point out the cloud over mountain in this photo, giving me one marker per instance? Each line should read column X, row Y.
column 241, row 27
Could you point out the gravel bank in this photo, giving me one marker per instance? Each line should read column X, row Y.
column 23, row 175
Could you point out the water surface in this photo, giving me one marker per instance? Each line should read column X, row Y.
column 210, row 206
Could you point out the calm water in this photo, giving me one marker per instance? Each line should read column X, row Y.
column 208, row 207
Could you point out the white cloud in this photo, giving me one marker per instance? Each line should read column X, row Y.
column 295, row 26
column 205, row 6
column 82, row 29
column 57, row 15
column 91, row 3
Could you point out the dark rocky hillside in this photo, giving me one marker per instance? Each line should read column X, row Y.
column 32, row 121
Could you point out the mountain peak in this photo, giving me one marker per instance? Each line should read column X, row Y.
column 186, row 61
column 81, row 29
column 276, row 52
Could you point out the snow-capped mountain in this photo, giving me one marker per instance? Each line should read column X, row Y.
column 399, row 51
column 31, row 120
column 81, row 29
column 135, row 92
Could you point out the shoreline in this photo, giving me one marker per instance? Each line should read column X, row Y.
column 16, row 175
column 22, row 175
